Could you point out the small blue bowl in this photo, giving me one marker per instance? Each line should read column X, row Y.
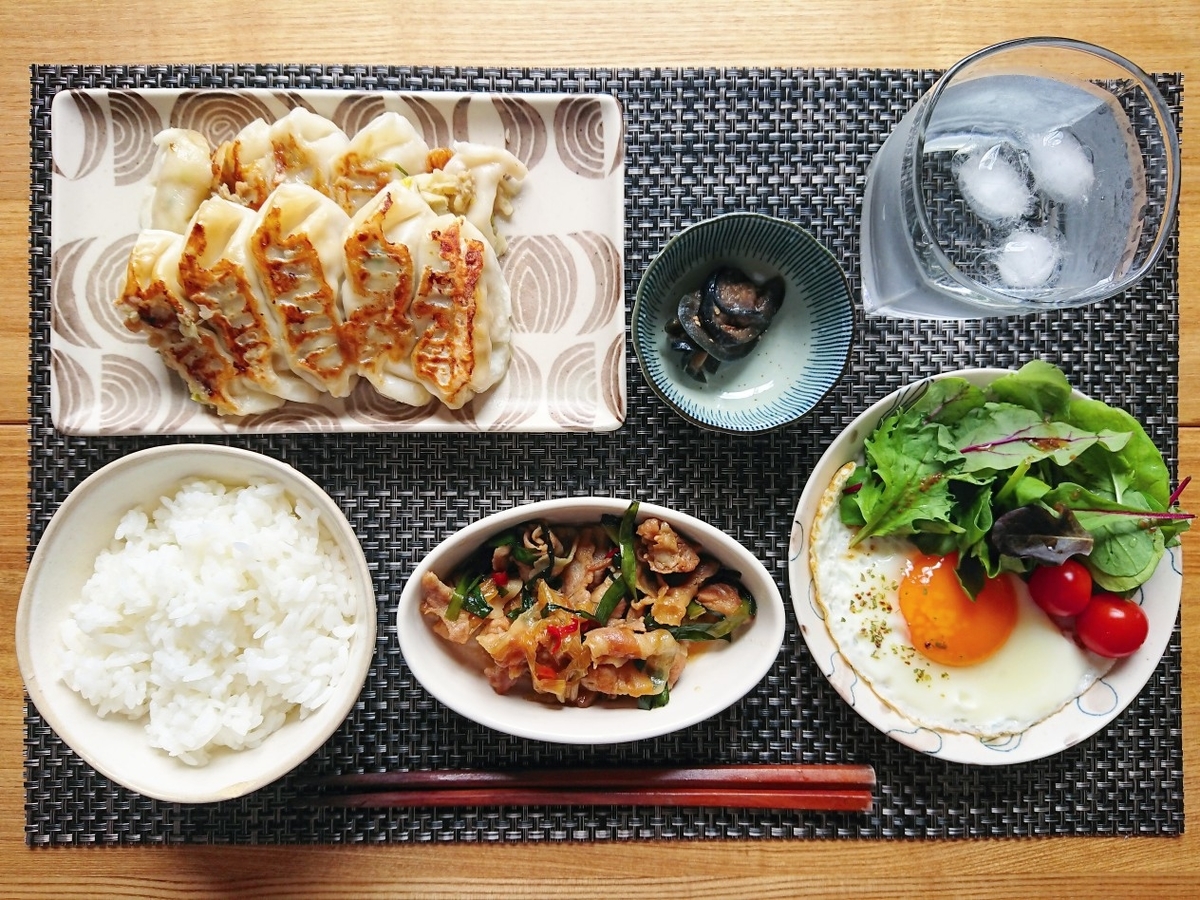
column 798, row 359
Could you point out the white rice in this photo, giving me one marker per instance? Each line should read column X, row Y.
column 213, row 616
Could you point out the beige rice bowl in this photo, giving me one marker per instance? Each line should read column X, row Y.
column 213, row 616
column 215, row 612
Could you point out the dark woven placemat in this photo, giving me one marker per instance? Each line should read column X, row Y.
column 790, row 143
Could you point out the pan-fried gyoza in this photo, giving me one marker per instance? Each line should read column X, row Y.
column 291, row 261
column 586, row 611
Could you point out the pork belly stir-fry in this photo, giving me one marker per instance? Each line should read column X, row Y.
column 585, row 611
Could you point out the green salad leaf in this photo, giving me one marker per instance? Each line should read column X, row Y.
column 1037, row 385
column 1004, row 436
column 1014, row 475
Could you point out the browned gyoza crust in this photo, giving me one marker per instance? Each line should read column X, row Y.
column 149, row 305
column 233, row 310
column 445, row 354
column 380, row 330
column 304, row 300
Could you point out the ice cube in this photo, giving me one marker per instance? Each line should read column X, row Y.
column 1026, row 259
column 1061, row 167
column 993, row 182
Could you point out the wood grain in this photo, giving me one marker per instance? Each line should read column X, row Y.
column 1160, row 36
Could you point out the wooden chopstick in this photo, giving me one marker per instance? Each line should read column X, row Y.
column 762, row 776
column 846, row 788
column 806, row 799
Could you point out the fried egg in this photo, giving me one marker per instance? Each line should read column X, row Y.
column 991, row 666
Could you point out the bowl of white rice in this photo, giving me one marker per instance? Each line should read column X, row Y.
column 196, row 621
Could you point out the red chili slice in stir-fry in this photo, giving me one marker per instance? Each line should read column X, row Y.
column 558, row 632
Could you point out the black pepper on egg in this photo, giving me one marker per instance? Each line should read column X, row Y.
column 723, row 320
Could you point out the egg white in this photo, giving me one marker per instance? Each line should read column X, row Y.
column 1034, row 674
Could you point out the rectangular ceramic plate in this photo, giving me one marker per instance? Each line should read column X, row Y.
column 564, row 262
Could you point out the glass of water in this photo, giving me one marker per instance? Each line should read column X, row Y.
column 1036, row 174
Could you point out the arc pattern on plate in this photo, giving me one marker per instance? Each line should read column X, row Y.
column 177, row 412
column 124, row 383
column 367, row 406
column 519, row 393
column 73, row 391
column 105, row 281
column 571, row 384
column 542, row 281
column 431, row 123
column 66, row 309
column 579, row 136
column 524, row 129
column 93, row 142
column 218, row 115
column 132, row 415
column 606, row 265
column 459, row 127
column 465, row 415
column 301, row 417
column 356, row 111
column 613, row 387
column 619, row 152
column 134, row 124
column 292, row 100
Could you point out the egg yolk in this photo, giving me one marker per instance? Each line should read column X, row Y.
column 945, row 624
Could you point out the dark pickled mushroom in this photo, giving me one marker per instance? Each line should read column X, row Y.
column 696, row 361
column 724, row 320
column 694, row 327
column 734, row 311
column 731, row 296
column 733, row 339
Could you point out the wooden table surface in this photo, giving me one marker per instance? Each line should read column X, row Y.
column 1159, row 36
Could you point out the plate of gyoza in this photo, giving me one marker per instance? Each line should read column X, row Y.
column 251, row 261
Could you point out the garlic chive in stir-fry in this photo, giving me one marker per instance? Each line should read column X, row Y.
column 584, row 611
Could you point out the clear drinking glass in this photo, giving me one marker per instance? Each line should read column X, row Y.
column 1037, row 173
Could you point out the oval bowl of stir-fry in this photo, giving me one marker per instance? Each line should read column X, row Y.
column 589, row 620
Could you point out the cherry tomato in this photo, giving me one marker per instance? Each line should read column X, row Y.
column 1062, row 590
column 1111, row 626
